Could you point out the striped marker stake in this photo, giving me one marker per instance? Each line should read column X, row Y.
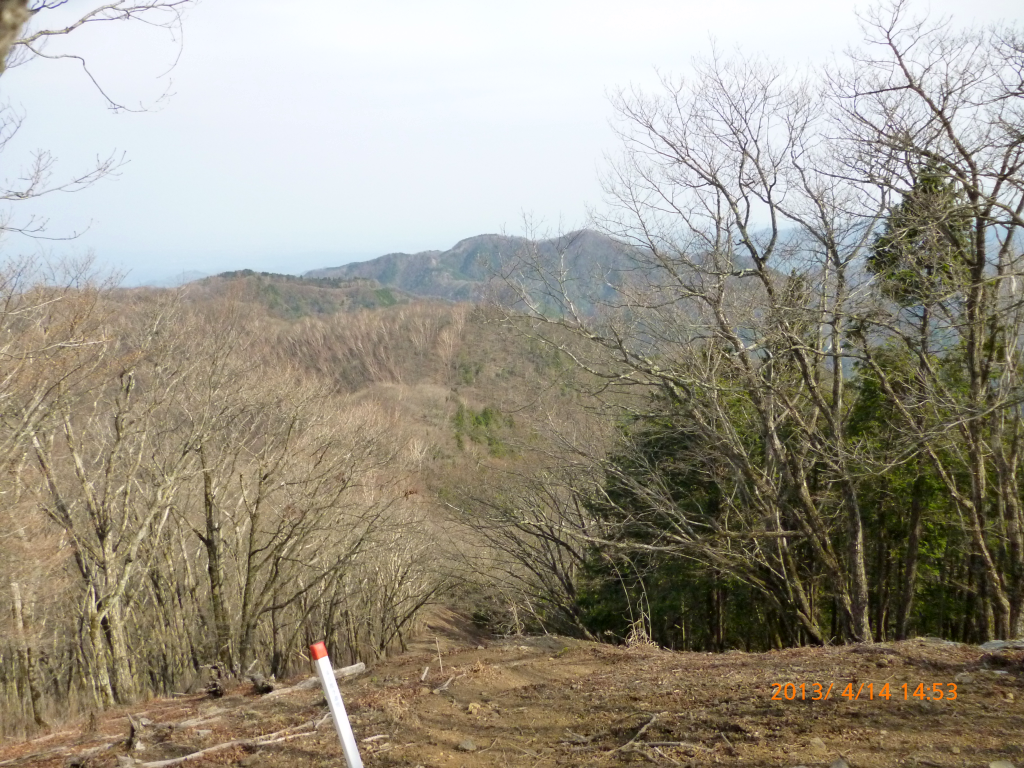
column 341, row 723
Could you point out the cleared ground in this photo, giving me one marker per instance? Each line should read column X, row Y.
column 544, row 701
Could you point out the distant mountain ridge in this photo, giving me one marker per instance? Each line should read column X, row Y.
column 175, row 281
column 463, row 272
column 291, row 297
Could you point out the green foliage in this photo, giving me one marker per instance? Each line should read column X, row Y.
column 686, row 605
column 545, row 358
column 291, row 297
column 666, row 486
column 921, row 254
column 385, row 297
column 468, row 370
column 276, row 277
column 691, row 604
column 482, row 427
column 886, row 499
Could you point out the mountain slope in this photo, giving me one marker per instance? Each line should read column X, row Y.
column 463, row 272
column 290, row 297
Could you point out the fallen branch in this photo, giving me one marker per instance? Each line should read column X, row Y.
column 674, row 762
column 444, row 685
column 58, row 751
column 641, row 732
column 448, row 682
column 270, row 738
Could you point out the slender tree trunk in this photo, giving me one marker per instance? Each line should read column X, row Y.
column 248, row 620
column 909, row 581
column 969, row 620
column 945, row 627
column 1006, row 452
column 120, row 663
column 796, row 597
column 278, row 652
column 99, row 668
column 353, row 637
column 834, row 630
column 882, row 631
column 27, row 658
column 978, row 300
column 860, row 617
column 213, row 541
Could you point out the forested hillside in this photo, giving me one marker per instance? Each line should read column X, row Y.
column 290, row 297
column 776, row 403
column 196, row 477
column 818, row 349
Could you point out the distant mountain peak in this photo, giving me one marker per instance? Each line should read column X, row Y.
column 463, row 272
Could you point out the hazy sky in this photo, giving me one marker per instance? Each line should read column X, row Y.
column 305, row 135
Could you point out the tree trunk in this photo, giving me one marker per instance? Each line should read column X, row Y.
column 120, row 664
column 27, row 658
column 99, row 668
column 860, row 617
column 909, row 585
column 213, row 541
column 277, row 657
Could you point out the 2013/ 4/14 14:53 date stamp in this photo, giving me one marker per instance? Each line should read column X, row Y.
column 864, row 691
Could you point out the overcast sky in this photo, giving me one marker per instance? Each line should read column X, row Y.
column 304, row 135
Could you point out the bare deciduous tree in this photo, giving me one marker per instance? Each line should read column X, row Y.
column 26, row 29
column 923, row 96
column 751, row 199
column 112, row 474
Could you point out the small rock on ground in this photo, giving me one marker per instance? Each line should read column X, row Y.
column 467, row 746
column 817, row 746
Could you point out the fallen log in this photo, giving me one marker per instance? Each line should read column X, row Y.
column 313, row 682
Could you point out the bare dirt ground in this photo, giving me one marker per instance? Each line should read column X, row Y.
column 545, row 701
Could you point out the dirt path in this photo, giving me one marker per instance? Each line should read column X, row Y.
column 548, row 701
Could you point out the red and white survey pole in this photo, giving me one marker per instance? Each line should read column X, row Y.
column 341, row 724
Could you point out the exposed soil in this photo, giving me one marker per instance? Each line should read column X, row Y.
column 543, row 701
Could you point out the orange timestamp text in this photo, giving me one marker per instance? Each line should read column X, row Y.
column 865, row 691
